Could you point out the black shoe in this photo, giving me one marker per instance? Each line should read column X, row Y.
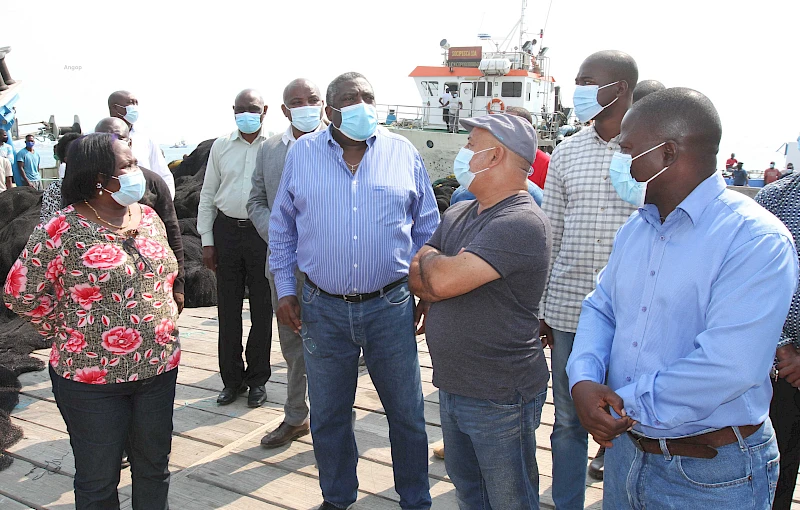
column 597, row 465
column 328, row 506
column 228, row 395
column 257, row 396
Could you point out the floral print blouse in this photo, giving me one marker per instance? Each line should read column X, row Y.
column 105, row 300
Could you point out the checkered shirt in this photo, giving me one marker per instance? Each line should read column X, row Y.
column 585, row 213
column 782, row 198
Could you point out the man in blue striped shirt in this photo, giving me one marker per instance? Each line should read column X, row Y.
column 354, row 205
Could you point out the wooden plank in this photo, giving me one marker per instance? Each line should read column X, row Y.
column 191, row 494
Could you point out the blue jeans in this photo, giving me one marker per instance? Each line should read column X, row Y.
column 743, row 476
column 334, row 332
column 491, row 451
column 569, row 440
column 100, row 420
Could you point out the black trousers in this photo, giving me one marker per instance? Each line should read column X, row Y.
column 104, row 419
column 784, row 411
column 241, row 260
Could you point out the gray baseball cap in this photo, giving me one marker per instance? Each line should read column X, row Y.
column 514, row 132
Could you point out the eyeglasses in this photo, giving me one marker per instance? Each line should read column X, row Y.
column 129, row 245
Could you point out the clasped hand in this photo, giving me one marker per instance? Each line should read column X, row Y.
column 592, row 402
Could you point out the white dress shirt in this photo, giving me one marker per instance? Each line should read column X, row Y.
column 288, row 138
column 149, row 156
column 227, row 183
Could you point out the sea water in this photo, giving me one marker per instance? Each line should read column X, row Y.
column 47, row 160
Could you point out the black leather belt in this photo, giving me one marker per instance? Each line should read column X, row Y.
column 245, row 223
column 359, row 298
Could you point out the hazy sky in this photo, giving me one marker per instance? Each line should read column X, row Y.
column 187, row 60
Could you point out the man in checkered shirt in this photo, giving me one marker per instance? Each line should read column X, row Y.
column 782, row 198
column 585, row 213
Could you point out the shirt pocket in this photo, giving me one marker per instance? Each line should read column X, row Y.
column 389, row 204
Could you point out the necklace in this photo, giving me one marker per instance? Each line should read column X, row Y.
column 117, row 227
column 353, row 168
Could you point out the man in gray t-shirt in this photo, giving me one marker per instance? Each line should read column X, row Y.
column 484, row 270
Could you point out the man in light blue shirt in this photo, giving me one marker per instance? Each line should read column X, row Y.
column 353, row 207
column 28, row 165
column 688, row 375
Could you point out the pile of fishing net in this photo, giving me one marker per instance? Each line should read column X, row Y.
column 443, row 190
column 201, row 282
column 20, row 208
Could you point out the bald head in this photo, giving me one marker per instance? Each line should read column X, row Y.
column 299, row 87
column 647, row 87
column 614, row 66
column 520, row 112
column 121, row 98
column 680, row 114
column 114, row 126
column 249, row 97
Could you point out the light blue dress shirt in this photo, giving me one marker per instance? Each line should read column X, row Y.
column 686, row 315
column 351, row 234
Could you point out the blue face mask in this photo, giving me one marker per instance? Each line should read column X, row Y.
column 248, row 123
column 359, row 121
column 131, row 188
column 30, row 144
column 306, row 118
column 629, row 189
column 585, row 101
column 131, row 112
column 461, row 166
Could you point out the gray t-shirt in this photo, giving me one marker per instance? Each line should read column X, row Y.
column 485, row 344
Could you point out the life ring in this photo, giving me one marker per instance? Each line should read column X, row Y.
column 498, row 101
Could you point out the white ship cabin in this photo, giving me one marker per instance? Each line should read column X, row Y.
column 490, row 87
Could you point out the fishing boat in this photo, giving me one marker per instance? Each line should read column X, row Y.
column 483, row 80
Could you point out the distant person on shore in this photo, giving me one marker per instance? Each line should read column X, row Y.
column 461, row 193
column 783, row 200
column 740, row 175
column 484, row 270
column 51, row 198
column 28, row 164
column 585, row 213
column 445, row 100
column 6, row 175
column 303, row 107
column 96, row 280
column 233, row 249
column 124, row 105
column 7, row 152
column 157, row 196
column 353, row 207
column 731, row 162
column 771, row 174
column 645, row 88
column 664, row 372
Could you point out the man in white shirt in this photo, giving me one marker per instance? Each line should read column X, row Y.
column 6, row 175
column 302, row 105
column 445, row 101
column 124, row 105
column 234, row 250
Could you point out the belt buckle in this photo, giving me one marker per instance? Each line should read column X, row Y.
column 242, row 223
column 352, row 298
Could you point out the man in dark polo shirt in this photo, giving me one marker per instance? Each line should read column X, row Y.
column 484, row 270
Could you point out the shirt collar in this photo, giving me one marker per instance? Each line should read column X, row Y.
column 613, row 141
column 370, row 141
column 236, row 134
column 288, row 137
column 695, row 203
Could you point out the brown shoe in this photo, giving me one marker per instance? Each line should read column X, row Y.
column 284, row 434
column 597, row 464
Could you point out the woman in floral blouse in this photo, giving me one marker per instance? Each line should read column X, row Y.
column 96, row 279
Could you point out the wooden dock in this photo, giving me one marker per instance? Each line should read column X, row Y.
column 217, row 460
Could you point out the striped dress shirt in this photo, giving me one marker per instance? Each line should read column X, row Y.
column 585, row 213
column 350, row 233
